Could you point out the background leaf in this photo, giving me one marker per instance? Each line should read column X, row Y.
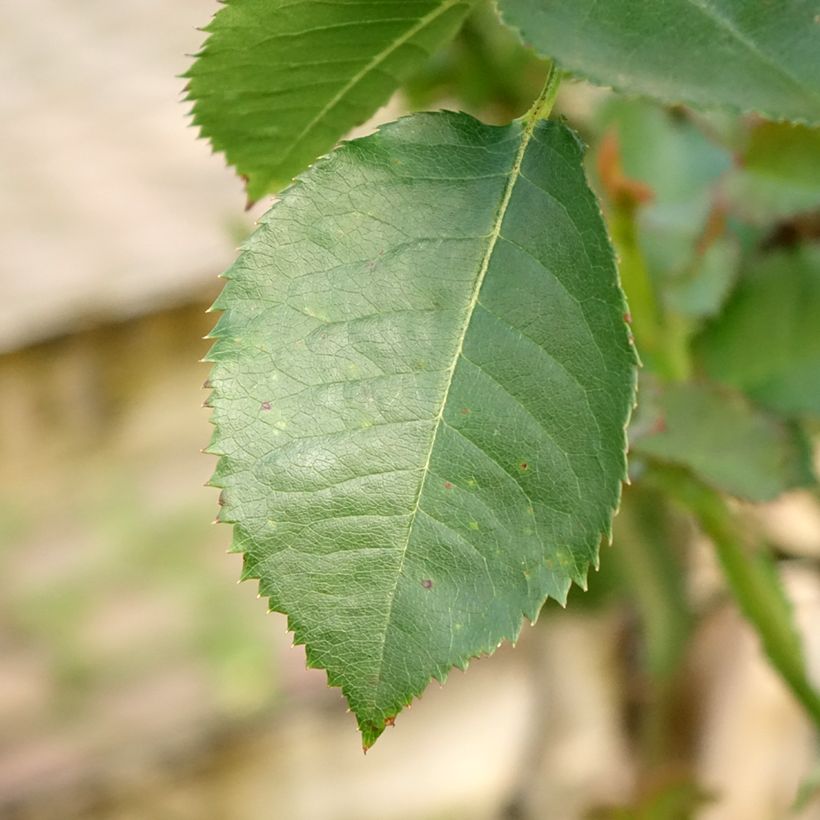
column 421, row 384
column 779, row 174
column 749, row 56
column 767, row 342
column 702, row 290
column 723, row 439
column 278, row 82
column 680, row 230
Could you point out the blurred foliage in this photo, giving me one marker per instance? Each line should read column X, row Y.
column 675, row 800
column 716, row 220
column 809, row 790
column 777, row 175
column 104, row 579
column 485, row 70
column 722, row 438
column 767, row 341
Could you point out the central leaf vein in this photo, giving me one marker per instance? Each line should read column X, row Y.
column 529, row 124
column 371, row 66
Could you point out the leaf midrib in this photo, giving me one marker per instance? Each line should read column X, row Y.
column 377, row 60
column 530, row 122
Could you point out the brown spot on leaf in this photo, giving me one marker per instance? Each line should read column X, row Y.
column 390, row 721
column 628, row 318
column 427, row 583
column 524, row 466
column 465, row 411
column 265, row 405
column 448, row 485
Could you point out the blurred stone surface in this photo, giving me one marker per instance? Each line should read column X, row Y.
column 109, row 205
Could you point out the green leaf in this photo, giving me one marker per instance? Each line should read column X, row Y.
column 779, row 176
column 421, row 384
column 278, row 82
column 767, row 342
column 743, row 54
column 723, row 439
column 669, row 154
column 702, row 289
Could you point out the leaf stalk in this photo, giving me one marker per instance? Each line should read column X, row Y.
column 542, row 107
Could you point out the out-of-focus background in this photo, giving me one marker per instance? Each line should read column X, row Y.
column 137, row 679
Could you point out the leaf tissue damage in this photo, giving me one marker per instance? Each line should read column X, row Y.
column 421, row 381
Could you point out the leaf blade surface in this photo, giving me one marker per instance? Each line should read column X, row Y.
column 421, row 384
column 278, row 82
column 748, row 56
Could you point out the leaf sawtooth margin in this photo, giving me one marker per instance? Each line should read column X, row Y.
column 741, row 55
column 422, row 378
column 278, row 82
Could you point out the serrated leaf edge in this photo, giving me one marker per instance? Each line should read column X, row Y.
column 370, row 732
column 270, row 182
column 681, row 100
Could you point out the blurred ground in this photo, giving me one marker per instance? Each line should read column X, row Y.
column 137, row 680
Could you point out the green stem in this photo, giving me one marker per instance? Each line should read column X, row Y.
column 753, row 581
column 647, row 324
column 677, row 355
column 661, row 337
column 647, row 558
column 542, row 107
